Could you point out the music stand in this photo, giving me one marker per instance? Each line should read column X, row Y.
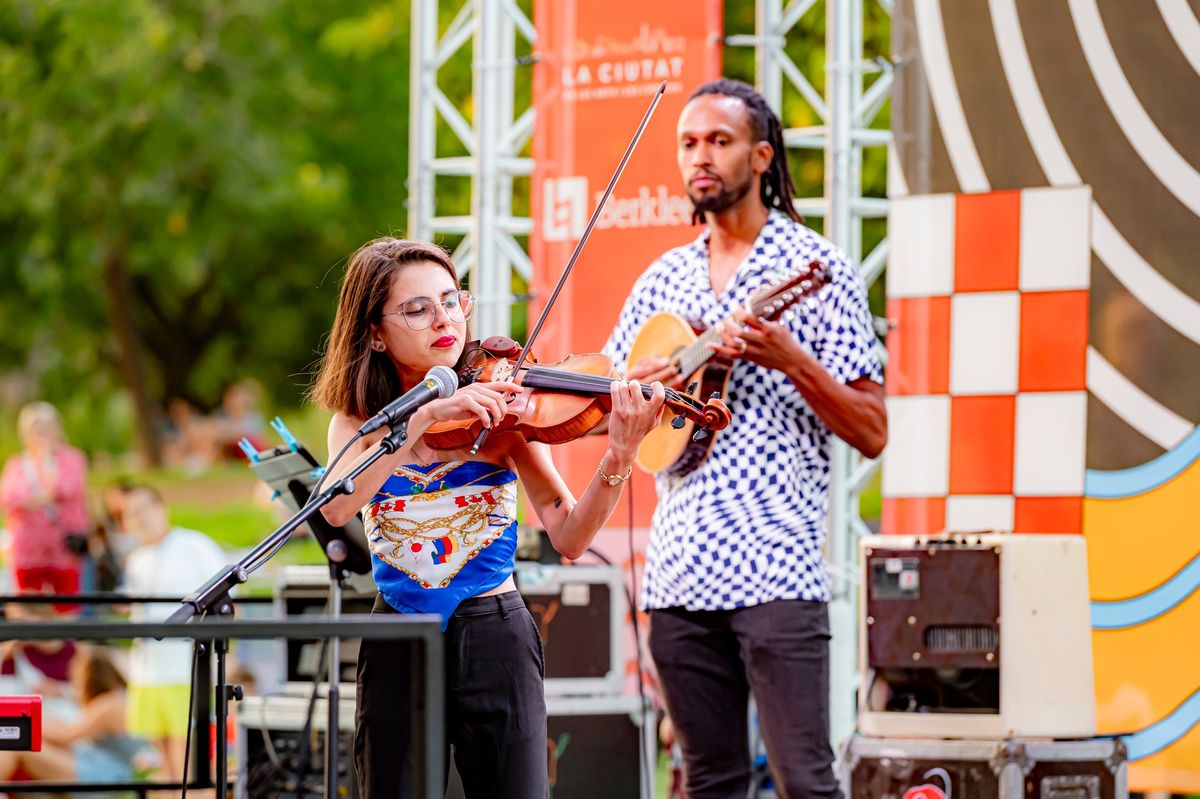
column 292, row 472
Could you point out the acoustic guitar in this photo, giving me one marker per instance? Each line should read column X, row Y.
column 675, row 445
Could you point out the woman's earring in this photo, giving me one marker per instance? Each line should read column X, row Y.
column 380, row 346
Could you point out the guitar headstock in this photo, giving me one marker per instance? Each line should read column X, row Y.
column 800, row 283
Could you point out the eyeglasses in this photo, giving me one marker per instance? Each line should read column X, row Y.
column 419, row 314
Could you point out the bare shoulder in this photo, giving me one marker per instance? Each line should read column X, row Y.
column 341, row 429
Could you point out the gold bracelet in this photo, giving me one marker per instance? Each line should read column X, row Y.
column 613, row 479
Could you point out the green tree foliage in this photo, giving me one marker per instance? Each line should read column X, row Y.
column 182, row 180
column 179, row 180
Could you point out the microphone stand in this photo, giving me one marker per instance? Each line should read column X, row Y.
column 213, row 598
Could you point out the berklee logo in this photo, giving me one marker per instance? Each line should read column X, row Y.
column 564, row 208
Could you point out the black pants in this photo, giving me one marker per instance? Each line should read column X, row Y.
column 709, row 661
column 495, row 705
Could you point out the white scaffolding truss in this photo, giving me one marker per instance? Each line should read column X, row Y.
column 494, row 137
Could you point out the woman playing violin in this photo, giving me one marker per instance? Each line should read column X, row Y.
column 442, row 524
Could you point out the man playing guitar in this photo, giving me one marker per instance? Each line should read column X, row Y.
column 736, row 584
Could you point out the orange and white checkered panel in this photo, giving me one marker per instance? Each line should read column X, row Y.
column 988, row 297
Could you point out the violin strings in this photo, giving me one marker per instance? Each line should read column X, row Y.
column 545, row 377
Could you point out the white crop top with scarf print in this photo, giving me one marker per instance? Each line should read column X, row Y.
column 442, row 533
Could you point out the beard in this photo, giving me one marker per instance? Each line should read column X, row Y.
column 726, row 198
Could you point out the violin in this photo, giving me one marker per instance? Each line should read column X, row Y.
column 565, row 400
column 561, row 402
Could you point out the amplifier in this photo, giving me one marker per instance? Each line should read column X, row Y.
column 269, row 743
column 580, row 611
column 304, row 591
column 21, row 723
column 598, row 747
column 976, row 636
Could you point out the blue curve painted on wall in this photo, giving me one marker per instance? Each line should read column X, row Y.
column 1137, row 610
column 1165, row 731
column 1143, row 478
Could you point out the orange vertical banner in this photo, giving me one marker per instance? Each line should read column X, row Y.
column 598, row 65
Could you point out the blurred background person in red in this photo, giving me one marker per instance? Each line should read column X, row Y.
column 42, row 491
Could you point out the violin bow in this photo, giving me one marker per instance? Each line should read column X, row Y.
column 658, row 95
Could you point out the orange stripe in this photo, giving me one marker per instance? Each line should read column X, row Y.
column 919, row 346
column 1054, row 336
column 987, row 241
column 982, row 439
column 914, row 515
column 1048, row 515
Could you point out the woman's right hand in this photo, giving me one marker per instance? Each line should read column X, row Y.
column 484, row 400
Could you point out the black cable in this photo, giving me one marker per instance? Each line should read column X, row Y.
column 317, row 488
column 187, row 744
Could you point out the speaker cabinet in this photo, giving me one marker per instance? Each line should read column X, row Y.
column 976, row 636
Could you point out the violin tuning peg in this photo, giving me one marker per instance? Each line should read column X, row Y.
column 700, row 434
column 678, row 422
column 692, row 386
column 715, row 395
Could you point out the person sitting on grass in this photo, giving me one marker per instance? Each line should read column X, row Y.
column 94, row 748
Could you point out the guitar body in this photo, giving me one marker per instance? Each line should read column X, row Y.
column 666, row 448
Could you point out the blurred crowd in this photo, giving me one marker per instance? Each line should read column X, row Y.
column 110, row 713
column 193, row 441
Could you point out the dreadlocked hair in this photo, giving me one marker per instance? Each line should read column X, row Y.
column 777, row 189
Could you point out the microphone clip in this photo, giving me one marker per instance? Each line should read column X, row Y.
column 395, row 439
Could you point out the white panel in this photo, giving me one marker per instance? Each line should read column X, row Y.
column 971, row 514
column 984, row 338
column 921, row 237
column 1055, row 239
column 1051, row 436
column 917, row 460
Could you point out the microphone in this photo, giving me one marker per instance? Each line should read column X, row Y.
column 439, row 383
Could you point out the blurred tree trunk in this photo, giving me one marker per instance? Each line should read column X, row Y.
column 130, row 357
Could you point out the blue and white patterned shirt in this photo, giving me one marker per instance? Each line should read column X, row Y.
column 746, row 526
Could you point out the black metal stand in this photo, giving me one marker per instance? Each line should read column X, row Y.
column 213, row 598
column 335, row 552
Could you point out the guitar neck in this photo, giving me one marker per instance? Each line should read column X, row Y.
column 695, row 355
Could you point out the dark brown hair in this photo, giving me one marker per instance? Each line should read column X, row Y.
column 100, row 674
column 777, row 189
column 353, row 378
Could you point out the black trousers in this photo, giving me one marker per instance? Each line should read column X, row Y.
column 709, row 661
column 495, row 705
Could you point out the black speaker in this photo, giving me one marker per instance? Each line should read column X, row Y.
column 597, row 748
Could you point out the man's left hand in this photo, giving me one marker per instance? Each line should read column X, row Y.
column 768, row 344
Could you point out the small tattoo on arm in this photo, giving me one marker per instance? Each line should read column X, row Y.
column 558, row 502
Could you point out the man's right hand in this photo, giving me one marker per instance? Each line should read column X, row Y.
column 653, row 368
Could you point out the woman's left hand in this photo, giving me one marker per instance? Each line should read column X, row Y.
column 633, row 415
